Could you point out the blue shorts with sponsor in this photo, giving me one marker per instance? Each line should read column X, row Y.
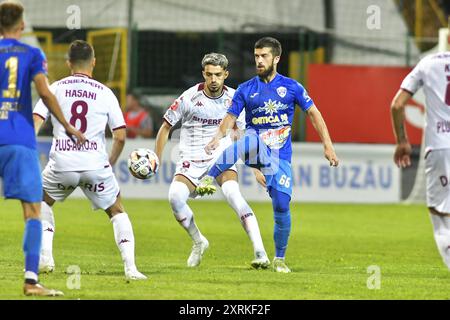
column 281, row 179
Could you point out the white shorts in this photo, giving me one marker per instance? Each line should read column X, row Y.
column 99, row 186
column 437, row 170
column 195, row 170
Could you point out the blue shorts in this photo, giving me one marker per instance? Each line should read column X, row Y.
column 21, row 173
column 281, row 180
column 256, row 154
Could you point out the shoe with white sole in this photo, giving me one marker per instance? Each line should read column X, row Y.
column 39, row 290
column 197, row 252
column 261, row 261
column 280, row 266
column 134, row 274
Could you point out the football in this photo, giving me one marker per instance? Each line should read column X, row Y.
column 143, row 163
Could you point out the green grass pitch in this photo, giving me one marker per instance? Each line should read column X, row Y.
column 330, row 249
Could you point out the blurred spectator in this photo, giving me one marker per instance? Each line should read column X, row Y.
column 138, row 120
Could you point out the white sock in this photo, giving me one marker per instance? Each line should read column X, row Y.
column 30, row 275
column 441, row 228
column 123, row 233
column 245, row 214
column 178, row 195
column 48, row 229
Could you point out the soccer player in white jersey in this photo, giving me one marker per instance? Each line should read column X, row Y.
column 88, row 105
column 201, row 109
column 433, row 74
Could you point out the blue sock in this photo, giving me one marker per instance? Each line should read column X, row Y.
column 282, row 218
column 32, row 244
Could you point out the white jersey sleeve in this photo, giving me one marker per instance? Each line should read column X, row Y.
column 175, row 113
column 41, row 109
column 414, row 80
column 115, row 116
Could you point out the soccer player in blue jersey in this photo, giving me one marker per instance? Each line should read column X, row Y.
column 19, row 165
column 269, row 101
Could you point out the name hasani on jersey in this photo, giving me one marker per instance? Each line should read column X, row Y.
column 89, row 106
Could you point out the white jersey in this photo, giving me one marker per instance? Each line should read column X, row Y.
column 433, row 73
column 88, row 105
column 200, row 117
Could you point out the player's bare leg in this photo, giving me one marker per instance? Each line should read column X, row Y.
column 179, row 192
column 228, row 181
column 46, row 261
column 123, row 234
column 441, row 229
column 32, row 243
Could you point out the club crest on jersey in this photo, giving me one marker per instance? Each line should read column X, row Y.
column 174, row 105
column 282, row 91
column 186, row 164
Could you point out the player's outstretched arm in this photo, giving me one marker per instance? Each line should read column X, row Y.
column 119, row 136
column 38, row 122
column 227, row 124
column 403, row 149
column 52, row 104
column 161, row 139
column 321, row 128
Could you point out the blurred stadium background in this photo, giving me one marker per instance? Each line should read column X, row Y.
column 351, row 56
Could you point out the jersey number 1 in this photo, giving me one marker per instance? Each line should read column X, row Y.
column 12, row 64
column 79, row 114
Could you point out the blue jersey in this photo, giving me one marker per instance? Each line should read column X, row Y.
column 19, row 63
column 269, row 109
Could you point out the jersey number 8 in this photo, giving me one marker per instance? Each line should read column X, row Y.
column 79, row 114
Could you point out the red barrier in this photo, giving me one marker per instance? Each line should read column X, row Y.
column 355, row 102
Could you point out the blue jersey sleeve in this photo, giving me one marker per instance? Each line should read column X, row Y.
column 301, row 97
column 38, row 63
column 238, row 103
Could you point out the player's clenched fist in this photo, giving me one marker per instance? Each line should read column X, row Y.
column 402, row 155
column 331, row 156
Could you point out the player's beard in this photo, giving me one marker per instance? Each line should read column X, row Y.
column 215, row 90
column 265, row 73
